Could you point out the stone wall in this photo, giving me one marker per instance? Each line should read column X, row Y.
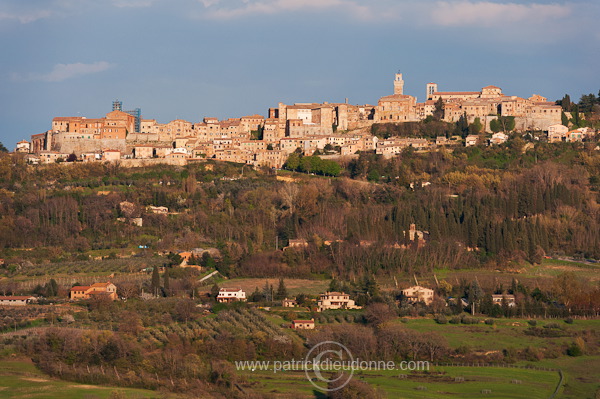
column 79, row 146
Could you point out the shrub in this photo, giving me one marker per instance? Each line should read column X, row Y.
column 574, row 350
column 455, row 320
column 441, row 319
column 552, row 325
column 489, row 321
column 532, row 323
column 469, row 320
column 569, row 320
column 404, row 320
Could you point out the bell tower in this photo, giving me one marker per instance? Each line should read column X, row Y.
column 431, row 88
column 398, row 84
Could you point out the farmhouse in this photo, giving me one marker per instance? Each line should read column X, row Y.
column 289, row 303
column 335, row 300
column 17, row 300
column 227, row 295
column 418, row 294
column 297, row 243
column 98, row 289
column 303, row 324
column 510, row 299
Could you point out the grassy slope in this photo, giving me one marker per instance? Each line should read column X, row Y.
column 503, row 334
column 439, row 383
column 21, row 379
column 582, row 375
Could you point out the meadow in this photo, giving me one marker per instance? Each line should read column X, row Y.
column 21, row 379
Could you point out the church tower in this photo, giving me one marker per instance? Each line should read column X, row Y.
column 431, row 88
column 398, row 84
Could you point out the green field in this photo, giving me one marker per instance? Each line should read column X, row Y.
column 582, row 375
column 503, row 334
column 21, row 379
column 439, row 382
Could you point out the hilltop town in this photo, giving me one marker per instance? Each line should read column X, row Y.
column 340, row 128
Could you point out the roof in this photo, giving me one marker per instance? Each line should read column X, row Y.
column 101, row 284
column 80, row 288
column 418, row 287
column 16, row 298
column 439, row 93
column 67, row 118
column 230, row 290
column 303, row 321
column 396, row 97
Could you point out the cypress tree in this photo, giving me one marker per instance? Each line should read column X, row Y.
column 155, row 282
column 166, row 282
column 282, row 292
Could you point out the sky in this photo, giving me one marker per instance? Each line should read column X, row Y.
column 228, row 58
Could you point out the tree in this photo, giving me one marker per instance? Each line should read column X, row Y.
column 155, row 282
column 207, row 261
column 166, row 282
column 476, row 127
column 575, row 119
column 269, row 147
column 256, row 296
column 565, row 103
column 340, row 388
column 214, row 291
column 72, row 157
column 282, row 292
column 438, row 112
column 379, row 313
column 508, row 123
column 586, row 103
column 564, row 119
column 462, row 126
column 293, row 161
column 3, row 148
column 51, row 288
column 495, row 125
column 476, row 294
column 268, row 291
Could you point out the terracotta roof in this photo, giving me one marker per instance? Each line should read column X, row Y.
column 303, row 321
column 67, row 118
column 334, row 293
column 396, row 97
column 101, row 284
column 80, row 288
column 439, row 93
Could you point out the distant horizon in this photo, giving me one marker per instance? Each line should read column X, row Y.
column 230, row 58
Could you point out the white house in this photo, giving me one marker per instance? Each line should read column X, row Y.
column 510, row 300
column 17, row 300
column 471, row 140
column 227, row 295
column 23, row 146
column 418, row 294
column 498, row 138
column 335, row 300
column 557, row 133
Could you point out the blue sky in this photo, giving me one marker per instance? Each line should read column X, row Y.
column 228, row 58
